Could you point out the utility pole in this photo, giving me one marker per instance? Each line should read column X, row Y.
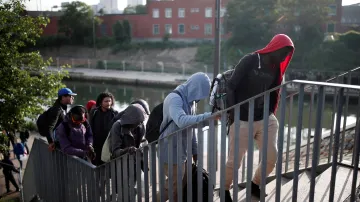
column 217, row 39
column 94, row 35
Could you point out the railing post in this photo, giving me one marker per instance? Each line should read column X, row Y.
column 317, row 137
column 223, row 156
column 236, row 152
column 200, row 163
column 289, row 133
column 280, row 142
column 336, row 144
column 310, row 126
column 264, row 148
column 345, row 118
column 298, row 142
column 356, row 161
column 250, row 150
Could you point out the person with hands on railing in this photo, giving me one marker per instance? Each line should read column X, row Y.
column 179, row 112
column 254, row 74
column 75, row 135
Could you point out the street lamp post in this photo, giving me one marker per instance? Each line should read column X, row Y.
column 94, row 37
column 217, row 39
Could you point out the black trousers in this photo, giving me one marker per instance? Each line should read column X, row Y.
column 10, row 178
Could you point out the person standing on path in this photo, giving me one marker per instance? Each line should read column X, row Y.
column 256, row 73
column 50, row 119
column 8, row 168
column 100, row 119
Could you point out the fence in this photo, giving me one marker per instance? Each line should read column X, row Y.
column 57, row 177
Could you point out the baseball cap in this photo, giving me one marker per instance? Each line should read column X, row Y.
column 65, row 91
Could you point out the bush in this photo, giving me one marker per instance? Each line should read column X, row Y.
column 351, row 39
column 52, row 41
column 100, row 64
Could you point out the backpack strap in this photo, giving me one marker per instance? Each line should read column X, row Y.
column 168, row 124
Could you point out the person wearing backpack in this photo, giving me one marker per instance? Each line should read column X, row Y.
column 178, row 112
column 8, row 167
column 75, row 135
column 24, row 136
column 254, row 74
column 100, row 121
column 19, row 149
column 51, row 118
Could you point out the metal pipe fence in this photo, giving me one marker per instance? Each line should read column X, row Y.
column 57, row 177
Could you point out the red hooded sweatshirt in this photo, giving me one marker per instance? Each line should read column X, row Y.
column 277, row 42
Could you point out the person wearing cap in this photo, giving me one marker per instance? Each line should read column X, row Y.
column 256, row 73
column 56, row 114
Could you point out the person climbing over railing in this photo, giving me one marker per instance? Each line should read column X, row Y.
column 254, row 74
column 178, row 112
column 75, row 135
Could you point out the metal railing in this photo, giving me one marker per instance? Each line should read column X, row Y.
column 57, row 177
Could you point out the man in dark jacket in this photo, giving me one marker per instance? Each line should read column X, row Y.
column 254, row 74
column 8, row 168
column 55, row 115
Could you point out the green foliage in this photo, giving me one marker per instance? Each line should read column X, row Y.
column 127, row 31
column 139, row 9
column 118, row 32
column 351, row 39
column 52, row 41
column 166, row 38
column 21, row 93
column 77, row 22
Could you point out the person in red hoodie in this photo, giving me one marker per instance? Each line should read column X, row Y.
column 256, row 73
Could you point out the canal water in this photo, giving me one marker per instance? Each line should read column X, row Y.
column 125, row 94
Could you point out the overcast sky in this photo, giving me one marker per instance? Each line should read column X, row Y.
column 47, row 4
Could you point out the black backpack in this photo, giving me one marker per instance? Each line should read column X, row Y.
column 205, row 184
column 42, row 122
column 155, row 119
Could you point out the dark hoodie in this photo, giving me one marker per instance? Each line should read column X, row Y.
column 251, row 77
column 126, row 132
column 54, row 116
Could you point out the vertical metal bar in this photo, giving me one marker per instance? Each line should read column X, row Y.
column 243, row 168
column 170, row 168
column 120, row 183
column 146, row 173
column 138, row 175
column 312, row 95
column 125, row 176
column 96, row 186
column 345, row 119
column 85, row 182
column 179, row 164
column 153, row 170
column 332, row 124
column 264, row 146
column 161, row 147
column 200, row 163
column 289, row 133
column 102, row 182
column 107, row 181
column 336, row 144
column 113, row 180
column 211, row 166
column 236, row 154
column 70, row 185
column 356, row 161
column 189, row 136
column 132, row 180
column 280, row 142
column 250, row 155
column 298, row 142
column 77, row 179
column 357, row 120
column 223, row 156
column 317, row 137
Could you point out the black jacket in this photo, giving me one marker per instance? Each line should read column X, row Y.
column 128, row 131
column 54, row 116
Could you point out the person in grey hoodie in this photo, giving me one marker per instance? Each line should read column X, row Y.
column 179, row 109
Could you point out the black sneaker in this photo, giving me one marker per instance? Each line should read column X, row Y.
column 255, row 190
column 227, row 196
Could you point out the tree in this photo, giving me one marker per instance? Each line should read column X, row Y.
column 118, row 32
column 140, row 9
column 127, row 31
column 129, row 10
column 250, row 22
column 101, row 12
column 25, row 84
column 77, row 22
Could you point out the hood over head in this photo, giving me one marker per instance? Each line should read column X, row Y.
column 279, row 41
column 197, row 87
column 132, row 116
column 144, row 105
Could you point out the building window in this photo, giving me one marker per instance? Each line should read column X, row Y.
column 181, row 29
column 208, row 12
column 156, row 13
column 181, row 12
column 222, row 12
column 168, row 29
column 103, row 29
column 195, row 10
column 168, row 12
column 332, row 10
column 208, row 29
column 156, row 29
column 194, row 27
column 330, row 27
